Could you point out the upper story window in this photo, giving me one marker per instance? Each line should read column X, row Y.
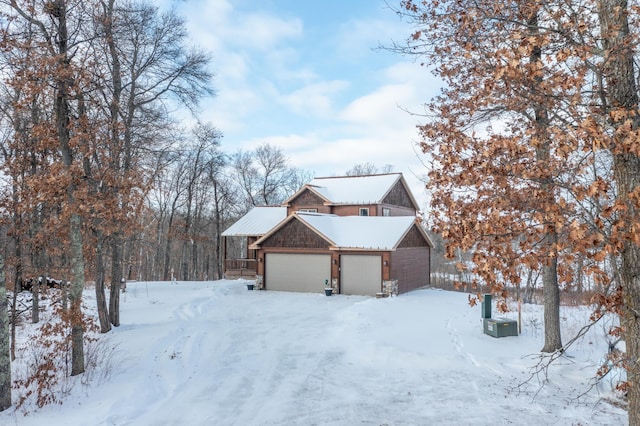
column 386, row 211
column 364, row 211
column 308, row 210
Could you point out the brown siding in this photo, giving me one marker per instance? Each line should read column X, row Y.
column 398, row 196
column 294, row 234
column 319, row 209
column 410, row 266
column 308, row 200
column 413, row 239
column 251, row 254
column 396, row 211
column 354, row 210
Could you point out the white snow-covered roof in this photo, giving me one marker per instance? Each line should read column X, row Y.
column 360, row 232
column 258, row 221
column 355, row 189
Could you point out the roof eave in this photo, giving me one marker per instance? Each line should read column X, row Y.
column 362, row 249
column 256, row 245
column 401, row 179
column 420, row 229
column 287, row 202
column 293, row 216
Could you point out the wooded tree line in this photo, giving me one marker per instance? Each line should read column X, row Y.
column 534, row 152
column 100, row 180
column 202, row 192
column 534, row 148
column 87, row 87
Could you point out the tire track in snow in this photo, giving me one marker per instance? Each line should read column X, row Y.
column 459, row 347
column 175, row 360
column 263, row 355
column 260, row 375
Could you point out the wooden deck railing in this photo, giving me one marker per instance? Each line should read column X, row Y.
column 240, row 268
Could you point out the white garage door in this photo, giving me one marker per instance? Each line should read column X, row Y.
column 360, row 274
column 297, row 272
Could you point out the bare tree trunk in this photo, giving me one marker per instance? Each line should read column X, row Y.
column 184, row 262
column 101, row 300
column 217, row 272
column 627, row 171
column 14, row 320
column 159, row 240
column 169, row 240
column 552, row 337
column 75, row 296
column 35, row 302
column 221, row 199
column 623, row 100
column 5, row 347
column 63, row 115
column 116, row 277
column 39, row 263
column 115, row 110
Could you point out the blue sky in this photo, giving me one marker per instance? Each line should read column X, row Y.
column 306, row 75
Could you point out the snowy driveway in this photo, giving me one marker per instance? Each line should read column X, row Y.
column 216, row 354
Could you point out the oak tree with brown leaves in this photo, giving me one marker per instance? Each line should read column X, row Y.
column 84, row 109
column 533, row 147
column 65, row 134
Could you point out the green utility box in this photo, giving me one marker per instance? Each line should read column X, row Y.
column 485, row 311
column 500, row 327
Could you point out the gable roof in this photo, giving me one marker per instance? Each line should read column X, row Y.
column 355, row 232
column 258, row 221
column 369, row 189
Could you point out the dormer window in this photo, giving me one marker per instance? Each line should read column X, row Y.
column 364, row 211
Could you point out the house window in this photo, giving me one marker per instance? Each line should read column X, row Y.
column 364, row 211
column 308, row 210
column 386, row 211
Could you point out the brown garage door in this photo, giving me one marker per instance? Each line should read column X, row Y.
column 297, row 272
column 360, row 274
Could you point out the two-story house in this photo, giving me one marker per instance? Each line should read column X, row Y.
column 359, row 235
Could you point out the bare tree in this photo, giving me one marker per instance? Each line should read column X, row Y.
column 363, row 169
column 5, row 347
column 264, row 176
column 202, row 155
column 224, row 199
column 149, row 63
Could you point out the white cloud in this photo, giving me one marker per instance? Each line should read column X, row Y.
column 292, row 144
column 233, row 69
column 282, row 66
column 314, row 99
column 207, row 21
column 358, row 38
column 218, row 25
column 377, row 106
column 329, row 103
column 230, row 109
column 263, row 32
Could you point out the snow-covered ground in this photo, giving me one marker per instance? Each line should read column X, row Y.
column 213, row 353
